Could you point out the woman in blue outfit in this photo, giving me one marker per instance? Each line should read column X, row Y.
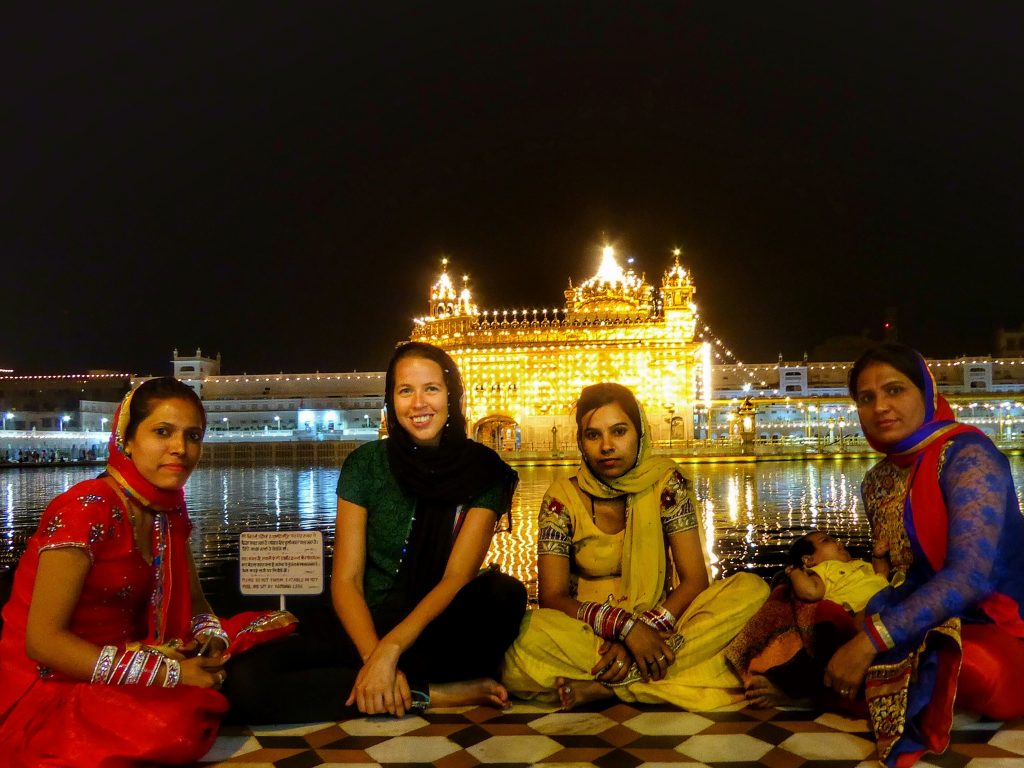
column 421, row 623
column 951, row 628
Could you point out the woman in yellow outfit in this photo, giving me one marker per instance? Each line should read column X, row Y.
column 627, row 607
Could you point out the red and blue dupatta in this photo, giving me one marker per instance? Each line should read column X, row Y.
column 911, row 696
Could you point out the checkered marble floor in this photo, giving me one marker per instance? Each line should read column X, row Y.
column 608, row 737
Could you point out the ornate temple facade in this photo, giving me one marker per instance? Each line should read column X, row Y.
column 524, row 368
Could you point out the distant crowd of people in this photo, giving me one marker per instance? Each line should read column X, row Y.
column 46, row 456
column 111, row 653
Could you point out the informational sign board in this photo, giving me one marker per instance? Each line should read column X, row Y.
column 281, row 563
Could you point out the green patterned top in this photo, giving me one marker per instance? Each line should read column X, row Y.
column 366, row 481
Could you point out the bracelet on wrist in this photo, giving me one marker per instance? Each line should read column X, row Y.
column 104, row 664
column 207, row 627
column 134, row 665
column 660, row 619
column 172, row 672
column 606, row 620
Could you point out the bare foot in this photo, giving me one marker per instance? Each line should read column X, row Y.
column 573, row 693
column 467, row 692
column 762, row 693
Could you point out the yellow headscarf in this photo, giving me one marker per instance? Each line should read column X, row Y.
column 643, row 547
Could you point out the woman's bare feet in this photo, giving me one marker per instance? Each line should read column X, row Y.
column 573, row 693
column 762, row 693
column 465, row 693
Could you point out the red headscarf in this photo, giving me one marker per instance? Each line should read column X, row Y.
column 172, row 600
column 121, row 467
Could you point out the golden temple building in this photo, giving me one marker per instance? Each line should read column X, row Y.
column 524, row 368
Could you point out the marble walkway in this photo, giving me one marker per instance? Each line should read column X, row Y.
column 605, row 736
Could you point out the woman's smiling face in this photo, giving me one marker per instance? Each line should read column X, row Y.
column 421, row 399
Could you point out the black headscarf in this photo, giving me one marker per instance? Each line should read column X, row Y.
column 443, row 478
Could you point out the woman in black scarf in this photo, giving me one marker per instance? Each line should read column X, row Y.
column 423, row 625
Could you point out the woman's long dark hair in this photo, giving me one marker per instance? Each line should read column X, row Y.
column 454, row 429
column 457, row 469
column 444, row 478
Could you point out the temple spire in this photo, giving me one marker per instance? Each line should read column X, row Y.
column 445, row 300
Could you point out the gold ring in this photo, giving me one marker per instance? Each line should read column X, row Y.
column 663, row 657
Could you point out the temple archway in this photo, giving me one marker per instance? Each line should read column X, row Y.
column 501, row 433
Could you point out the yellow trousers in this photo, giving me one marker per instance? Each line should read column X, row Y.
column 553, row 645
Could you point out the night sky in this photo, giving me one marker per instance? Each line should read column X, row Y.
column 277, row 182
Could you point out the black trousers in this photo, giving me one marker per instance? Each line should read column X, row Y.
column 307, row 676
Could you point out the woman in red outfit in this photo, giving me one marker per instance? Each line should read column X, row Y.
column 110, row 654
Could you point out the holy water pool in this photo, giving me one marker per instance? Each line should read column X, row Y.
column 751, row 511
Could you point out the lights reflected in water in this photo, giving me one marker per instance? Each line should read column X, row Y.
column 752, row 512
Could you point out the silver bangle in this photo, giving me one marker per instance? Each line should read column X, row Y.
column 173, row 672
column 135, row 668
column 104, row 663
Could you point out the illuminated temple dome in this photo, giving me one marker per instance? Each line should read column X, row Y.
column 524, row 368
column 612, row 292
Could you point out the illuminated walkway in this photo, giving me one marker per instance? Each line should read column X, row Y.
column 610, row 737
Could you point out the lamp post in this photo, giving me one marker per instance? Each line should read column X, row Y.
column 7, row 415
column 227, row 424
column 842, row 435
column 277, row 422
column 103, row 423
column 63, row 419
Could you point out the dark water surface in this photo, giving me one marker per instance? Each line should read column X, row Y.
column 752, row 512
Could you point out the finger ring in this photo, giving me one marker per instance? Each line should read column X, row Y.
column 621, row 663
column 663, row 657
column 568, row 688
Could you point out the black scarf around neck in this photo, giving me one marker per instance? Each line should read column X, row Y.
column 444, row 479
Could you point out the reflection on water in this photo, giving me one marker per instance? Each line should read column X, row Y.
column 752, row 512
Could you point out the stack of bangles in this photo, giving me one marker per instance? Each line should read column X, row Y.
column 616, row 623
column 206, row 627
column 134, row 667
column 660, row 619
